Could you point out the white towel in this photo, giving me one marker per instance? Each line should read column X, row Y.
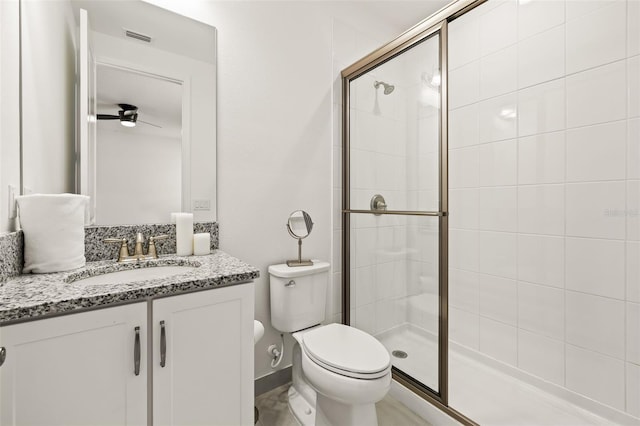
column 53, row 227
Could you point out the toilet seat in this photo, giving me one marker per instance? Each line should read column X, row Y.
column 347, row 351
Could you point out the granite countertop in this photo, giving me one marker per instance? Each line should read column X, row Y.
column 30, row 296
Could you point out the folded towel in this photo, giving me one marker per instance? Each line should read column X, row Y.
column 53, row 227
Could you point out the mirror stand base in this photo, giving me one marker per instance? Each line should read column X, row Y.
column 292, row 263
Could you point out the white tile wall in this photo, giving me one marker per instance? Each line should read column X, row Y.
column 541, row 260
column 498, row 208
column 464, row 167
column 498, row 163
column 595, row 323
column 499, row 28
column 541, row 158
column 498, row 254
column 541, row 57
column 541, row 356
column 541, row 108
column 498, row 299
column 498, row 118
column 464, row 289
column 593, row 209
column 596, row 266
column 633, row 28
column 633, row 149
column 633, row 389
column 499, row 340
column 577, row 8
column 633, row 86
column 597, row 376
column 596, row 38
column 633, row 333
column 464, row 327
column 541, row 310
column 537, row 16
column 541, row 209
column 597, row 95
column 597, row 152
column 463, row 204
column 464, row 85
column 498, row 73
column 464, row 126
column 558, row 295
column 633, row 271
column 463, row 249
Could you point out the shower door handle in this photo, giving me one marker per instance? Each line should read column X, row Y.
column 378, row 203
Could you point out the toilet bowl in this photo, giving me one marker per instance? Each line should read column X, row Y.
column 339, row 372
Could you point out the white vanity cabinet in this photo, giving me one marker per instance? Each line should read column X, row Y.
column 207, row 378
column 76, row 369
column 80, row 369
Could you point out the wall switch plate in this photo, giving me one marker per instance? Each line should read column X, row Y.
column 12, row 202
column 201, row 205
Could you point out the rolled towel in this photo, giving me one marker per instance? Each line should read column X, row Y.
column 53, row 227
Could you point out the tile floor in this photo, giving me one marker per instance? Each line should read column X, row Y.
column 275, row 412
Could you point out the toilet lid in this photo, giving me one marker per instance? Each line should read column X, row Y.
column 347, row 350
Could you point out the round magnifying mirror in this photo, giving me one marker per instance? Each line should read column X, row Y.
column 299, row 224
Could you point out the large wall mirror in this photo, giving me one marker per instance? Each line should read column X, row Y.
column 142, row 107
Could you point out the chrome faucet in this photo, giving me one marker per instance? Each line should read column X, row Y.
column 138, row 253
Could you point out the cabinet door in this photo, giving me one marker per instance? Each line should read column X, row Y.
column 207, row 377
column 76, row 369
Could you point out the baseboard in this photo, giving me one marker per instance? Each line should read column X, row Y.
column 271, row 381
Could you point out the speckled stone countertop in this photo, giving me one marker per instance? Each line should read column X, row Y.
column 31, row 296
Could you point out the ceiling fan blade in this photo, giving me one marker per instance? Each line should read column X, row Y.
column 150, row 124
column 107, row 117
column 128, row 107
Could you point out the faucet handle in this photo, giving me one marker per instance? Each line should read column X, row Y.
column 124, row 250
column 152, row 245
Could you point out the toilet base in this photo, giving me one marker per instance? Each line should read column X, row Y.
column 301, row 409
column 330, row 412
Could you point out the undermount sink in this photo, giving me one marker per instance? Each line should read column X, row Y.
column 139, row 274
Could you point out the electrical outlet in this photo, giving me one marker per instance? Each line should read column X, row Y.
column 201, row 205
column 12, row 202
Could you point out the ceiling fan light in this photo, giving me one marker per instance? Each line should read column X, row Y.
column 127, row 118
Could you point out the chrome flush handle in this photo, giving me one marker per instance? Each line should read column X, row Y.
column 3, row 355
column 291, row 283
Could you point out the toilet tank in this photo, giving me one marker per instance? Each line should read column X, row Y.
column 298, row 295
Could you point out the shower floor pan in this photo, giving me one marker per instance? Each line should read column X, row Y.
column 479, row 391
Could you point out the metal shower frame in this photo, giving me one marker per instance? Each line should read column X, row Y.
column 436, row 24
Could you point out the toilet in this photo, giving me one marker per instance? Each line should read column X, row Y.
column 338, row 372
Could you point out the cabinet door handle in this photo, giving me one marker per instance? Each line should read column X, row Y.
column 136, row 352
column 3, row 355
column 163, row 344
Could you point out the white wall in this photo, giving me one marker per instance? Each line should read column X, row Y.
column 544, row 192
column 275, row 125
column 157, row 178
column 9, row 108
column 48, row 96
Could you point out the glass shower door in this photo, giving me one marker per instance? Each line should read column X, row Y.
column 394, row 209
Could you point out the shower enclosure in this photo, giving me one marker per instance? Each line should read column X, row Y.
column 491, row 190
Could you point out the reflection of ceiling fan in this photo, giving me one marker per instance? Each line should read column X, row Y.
column 128, row 116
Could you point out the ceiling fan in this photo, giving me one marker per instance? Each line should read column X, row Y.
column 128, row 116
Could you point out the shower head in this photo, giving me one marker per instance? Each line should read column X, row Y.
column 388, row 88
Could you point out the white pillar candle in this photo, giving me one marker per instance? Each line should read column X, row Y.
column 201, row 244
column 184, row 234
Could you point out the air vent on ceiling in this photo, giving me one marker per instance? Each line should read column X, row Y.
column 137, row 36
